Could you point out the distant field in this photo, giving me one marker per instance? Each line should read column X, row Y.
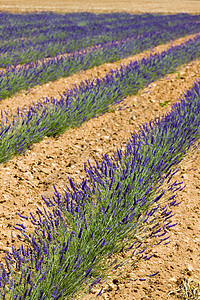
column 136, row 6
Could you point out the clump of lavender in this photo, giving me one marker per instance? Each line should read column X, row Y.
column 70, row 246
column 123, row 204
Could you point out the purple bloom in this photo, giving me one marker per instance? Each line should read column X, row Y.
column 80, row 233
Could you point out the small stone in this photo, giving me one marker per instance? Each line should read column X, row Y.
column 28, row 175
column 98, row 150
column 111, row 286
column 173, row 279
column 133, row 117
column 95, row 291
column 182, row 73
column 106, row 137
column 190, row 267
column 185, row 176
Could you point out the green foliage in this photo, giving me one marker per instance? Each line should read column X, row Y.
column 163, row 104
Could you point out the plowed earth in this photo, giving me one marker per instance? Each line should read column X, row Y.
column 25, row 178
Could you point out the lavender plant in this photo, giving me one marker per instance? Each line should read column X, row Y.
column 75, row 258
column 118, row 207
column 88, row 100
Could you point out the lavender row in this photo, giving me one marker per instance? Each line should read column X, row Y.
column 88, row 100
column 29, row 51
column 124, row 204
column 98, row 24
column 75, row 38
column 29, row 25
column 25, row 77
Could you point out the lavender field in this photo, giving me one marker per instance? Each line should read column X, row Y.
column 118, row 206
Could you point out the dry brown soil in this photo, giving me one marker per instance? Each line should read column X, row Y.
column 25, row 178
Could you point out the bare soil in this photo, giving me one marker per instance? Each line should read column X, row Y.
column 25, row 178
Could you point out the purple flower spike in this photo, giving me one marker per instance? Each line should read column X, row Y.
column 80, row 233
column 100, row 292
